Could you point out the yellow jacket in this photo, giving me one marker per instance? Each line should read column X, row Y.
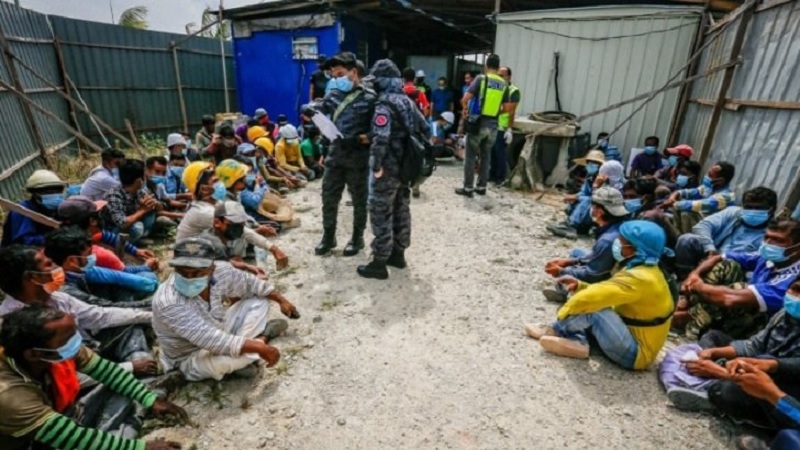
column 639, row 293
column 289, row 156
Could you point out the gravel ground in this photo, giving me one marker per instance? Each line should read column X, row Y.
column 436, row 357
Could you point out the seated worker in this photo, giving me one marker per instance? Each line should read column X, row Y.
column 612, row 174
column 443, row 144
column 177, row 145
column 608, row 211
column 736, row 292
column 312, row 152
column 42, row 354
column 262, row 205
column 282, row 120
column 85, row 214
column 778, row 341
column 104, row 177
column 205, row 135
column 287, row 151
column 46, row 192
column 578, row 217
column 174, row 186
column 733, row 229
column 203, row 181
column 264, row 158
column 610, row 152
column 31, row 278
column 674, row 156
column 224, row 144
column 128, row 209
column 71, row 249
column 208, row 330
column 639, row 196
column 714, row 195
column 227, row 236
column 155, row 183
column 262, row 119
column 649, row 161
column 628, row 314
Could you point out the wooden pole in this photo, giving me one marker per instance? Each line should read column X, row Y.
column 129, row 126
column 77, row 104
column 727, row 80
column 26, row 100
column 8, row 57
column 686, row 89
column 181, row 101
column 224, row 65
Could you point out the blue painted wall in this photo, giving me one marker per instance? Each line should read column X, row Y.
column 268, row 77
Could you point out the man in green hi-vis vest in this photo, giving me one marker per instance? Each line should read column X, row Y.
column 491, row 92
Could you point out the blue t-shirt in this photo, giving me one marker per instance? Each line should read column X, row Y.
column 767, row 282
column 441, row 99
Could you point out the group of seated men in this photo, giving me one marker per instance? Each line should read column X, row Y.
column 676, row 251
column 84, row 301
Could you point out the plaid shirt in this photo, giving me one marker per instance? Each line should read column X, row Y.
column 120, row 205
column 704, row 200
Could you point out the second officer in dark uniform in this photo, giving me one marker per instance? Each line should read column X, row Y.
column 350, row 106
column 390, row 215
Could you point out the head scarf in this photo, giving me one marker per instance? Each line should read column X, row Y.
column 649, row 240
column 614, row 173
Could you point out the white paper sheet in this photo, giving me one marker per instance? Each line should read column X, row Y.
column 326, row 127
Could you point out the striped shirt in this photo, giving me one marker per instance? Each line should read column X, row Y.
column 28, row 413
column 704, row 200
column 186, row 325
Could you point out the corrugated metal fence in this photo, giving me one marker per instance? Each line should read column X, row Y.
column 758, row 127
column 119, row 73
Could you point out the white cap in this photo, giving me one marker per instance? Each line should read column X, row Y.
column 420, row 73
column 289, row 132
column 449, row 117
column 175, row 139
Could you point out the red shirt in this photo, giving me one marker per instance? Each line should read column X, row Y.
column 415, row 94
column 106, row 258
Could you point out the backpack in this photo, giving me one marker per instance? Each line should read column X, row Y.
column 417, row 161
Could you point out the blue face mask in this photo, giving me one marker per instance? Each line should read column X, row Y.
column 602, row 143
column 708, row 182
column 115, row 173
column 67, row 351
column 91, row 261
column 158, row 179
column 650, row 150
column 176, row 171
column 343, row 84
column 250, row 179
column 754, row 217
column 51, row 201
column 682, row 181
column 190, row 287
column 219, row 191
column 616, row 250
column 774, row 253
column 672, row 160
column 633, row 205
column 592, row 168
column 791, row 304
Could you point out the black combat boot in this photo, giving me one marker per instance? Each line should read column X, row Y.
column 375, row 269
column 328, row 242
column 355, row 245
column 397, row 259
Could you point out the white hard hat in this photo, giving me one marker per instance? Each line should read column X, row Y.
column 42, row 179
column 420, row 73
column 289, row 132
column 449, row 117
column 175, row 139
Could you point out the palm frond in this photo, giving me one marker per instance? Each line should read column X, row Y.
column 135, row 17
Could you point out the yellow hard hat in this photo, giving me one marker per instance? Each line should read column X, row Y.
column 191, row 174
column 266, row 144
column 230, row 171
column 255, row 132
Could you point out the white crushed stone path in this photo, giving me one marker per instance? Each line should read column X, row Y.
column 436, row 357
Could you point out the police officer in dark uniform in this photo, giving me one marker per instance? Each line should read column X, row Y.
column 395, row 114
column 350, row 107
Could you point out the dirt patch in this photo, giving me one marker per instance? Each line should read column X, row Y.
column 436, row 356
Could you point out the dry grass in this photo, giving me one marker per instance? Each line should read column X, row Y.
column 76, row 170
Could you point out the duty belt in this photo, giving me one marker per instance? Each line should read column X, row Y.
column 647, row 323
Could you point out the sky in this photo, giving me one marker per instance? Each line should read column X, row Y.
column 163, row 15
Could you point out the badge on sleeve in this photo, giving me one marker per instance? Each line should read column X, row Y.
column 381, row 120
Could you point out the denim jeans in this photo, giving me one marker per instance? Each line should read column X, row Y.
column 499, row 166
column 607, row 327
column 580, row 215
column 786, row 440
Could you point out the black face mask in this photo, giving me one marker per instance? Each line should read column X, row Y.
column 234, row 231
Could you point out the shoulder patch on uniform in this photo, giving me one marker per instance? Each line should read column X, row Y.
column 381, row 120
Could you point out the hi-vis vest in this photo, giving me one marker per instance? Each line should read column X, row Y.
column 492, row 89
column 504, row 119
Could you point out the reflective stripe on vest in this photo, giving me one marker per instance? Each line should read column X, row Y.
column 494, row 87
column 504, row 119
